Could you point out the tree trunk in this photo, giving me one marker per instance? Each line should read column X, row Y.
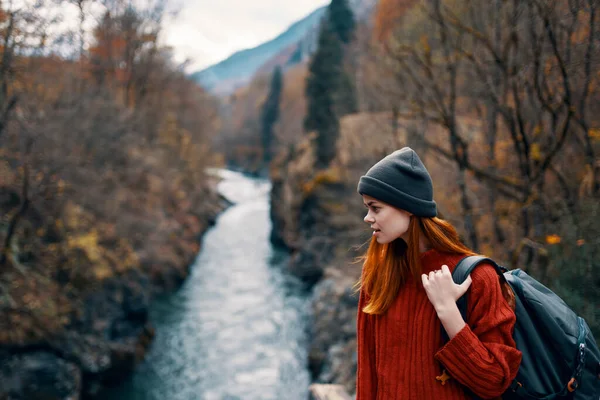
column 467, row 208
column 12, row 226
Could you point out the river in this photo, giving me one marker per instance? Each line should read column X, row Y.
column 236, row 329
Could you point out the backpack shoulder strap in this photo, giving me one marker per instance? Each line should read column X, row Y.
column 467, row 264
column 460, row 273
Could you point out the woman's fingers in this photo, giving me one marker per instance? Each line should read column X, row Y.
column 436, row 275
column 440, row 287
column 462, row 288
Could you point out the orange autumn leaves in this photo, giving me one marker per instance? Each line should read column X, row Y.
column 387, row 15
column 556, row 239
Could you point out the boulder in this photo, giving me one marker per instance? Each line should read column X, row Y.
column 39, row 375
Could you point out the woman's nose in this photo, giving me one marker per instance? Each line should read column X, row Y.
column 368, row 218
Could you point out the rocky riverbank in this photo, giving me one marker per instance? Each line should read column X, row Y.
column 321, row 246
column 66, row 336
column 318, row 215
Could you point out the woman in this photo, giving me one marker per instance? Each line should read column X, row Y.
column 407, row 295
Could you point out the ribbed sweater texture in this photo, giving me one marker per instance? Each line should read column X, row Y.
column 401, row 352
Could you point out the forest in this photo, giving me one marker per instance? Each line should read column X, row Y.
column 103, row 191
column 500, row 99
column 105, row 142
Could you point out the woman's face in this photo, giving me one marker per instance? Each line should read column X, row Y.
column 388, row 222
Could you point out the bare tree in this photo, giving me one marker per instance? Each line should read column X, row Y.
column 523, row 67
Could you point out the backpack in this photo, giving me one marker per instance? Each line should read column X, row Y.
column 560, row 356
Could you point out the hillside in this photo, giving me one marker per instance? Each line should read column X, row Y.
column 291, row 47
column 237, row 70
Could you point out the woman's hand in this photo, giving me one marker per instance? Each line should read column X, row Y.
column 441, row 289
column 443, row 293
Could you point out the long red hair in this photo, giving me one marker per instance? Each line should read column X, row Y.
column 386, row 267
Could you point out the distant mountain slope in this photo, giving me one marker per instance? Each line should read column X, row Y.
column 241, row 66
column 293, row 46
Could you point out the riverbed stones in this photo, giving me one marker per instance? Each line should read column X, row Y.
column 39, row 375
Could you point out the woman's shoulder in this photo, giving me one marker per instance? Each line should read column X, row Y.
column 434, row 259
column 485, row 277
column 484, row 271
column 488, row 291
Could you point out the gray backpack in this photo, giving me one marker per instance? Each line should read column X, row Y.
column 561, row 359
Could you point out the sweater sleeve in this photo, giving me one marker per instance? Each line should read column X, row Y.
column 483, row 356
column 366, row 375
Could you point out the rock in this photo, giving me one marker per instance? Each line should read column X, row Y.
column 40, row 376
column 333, row 332
column 278, row 222
column 340, row 365
column 305, row 266
column 317, row 215
column 328, row 392
column 118, row 309
column 103, row 362
column 102, row 344
column 82, row 323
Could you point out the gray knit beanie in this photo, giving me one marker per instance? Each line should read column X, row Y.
column 401, row 180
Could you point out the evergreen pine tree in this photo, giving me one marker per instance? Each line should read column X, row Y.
column 341, row 20
column 344, row 96
column 270, row 114
column 330, row 91
column 324, row 71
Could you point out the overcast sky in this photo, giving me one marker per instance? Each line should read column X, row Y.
column 203, row 31
column 208, row 31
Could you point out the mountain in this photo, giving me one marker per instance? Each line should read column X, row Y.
column 291, row 47
column 237, row 70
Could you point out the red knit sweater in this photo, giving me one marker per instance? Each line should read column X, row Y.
column 400, row 353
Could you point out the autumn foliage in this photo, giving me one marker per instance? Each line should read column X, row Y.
column 500, row 99
column 102, row 159
column 388, row 16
